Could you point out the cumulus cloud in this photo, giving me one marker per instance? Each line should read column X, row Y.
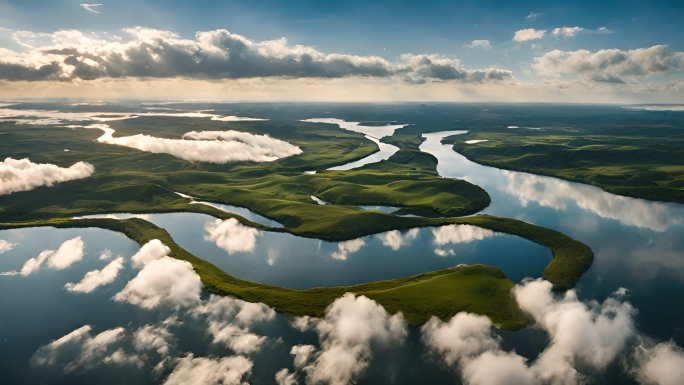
column 567, row 31
column 149, row 252
column 79, row 349
column 68, row 253
column 220, row 54
column 153, row 337
column 478, row 44
column 662, row 364
column 302, row 354
column 610, row 65
column 284, row 377
column 347, row 247
column 351, row 328
column 453, row 234
column 230, row 320
column 231, row 235
column 419, row 68
column 395, row 239
column 590, row 335
column 528, row 34
column 581, row 335
column 96, row 278
column 209, row 146
column 6, row 246
column 444, row 252
column 163, row 282
column 210, row 371
column 24, row 175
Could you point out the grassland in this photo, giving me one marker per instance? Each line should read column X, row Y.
column 640, row 162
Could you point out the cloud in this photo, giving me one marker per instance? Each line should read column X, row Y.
column 149, row 252
column 610, row 65
column 231, row 235
column 351, row 327
column 395, row 239
column 210, row 371
column 567, row 31
column 230, row 320
column 478, row 44
column 24, row 175
column 301, row 354
column 91, row 7
column 6, row 246
column 453, row 234
column 79, row 349
column 660, row 365
column 96, row 278
column 68, row 253
column 153, row 337
column 149, row 53
column 467, row 342
column 532, row 15
column 591, row 335
column 284, row 377
column 603, row 30
column 347, row 247
column 163, row 282
column 444, row 252
column 208, row 146
column 528, row 34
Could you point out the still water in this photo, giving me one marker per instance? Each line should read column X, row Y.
column 638, row 245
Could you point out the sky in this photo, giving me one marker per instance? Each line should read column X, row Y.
column 305, row 50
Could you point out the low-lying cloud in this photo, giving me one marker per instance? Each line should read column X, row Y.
column 662, row 364
column 207, row 146
column 164, row 281
column 453, row 234
column 231, row 235
column 6, row 246
column 610, row 65
column 68, row 253
column 210, row 371
column 149, row 53
column 24, row 175
column 352, row 327
column 96, row 278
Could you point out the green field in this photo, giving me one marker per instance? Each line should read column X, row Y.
column 128, row 180
column 642, row 162
column 475, row 288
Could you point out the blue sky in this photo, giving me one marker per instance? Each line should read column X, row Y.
column 386, row 29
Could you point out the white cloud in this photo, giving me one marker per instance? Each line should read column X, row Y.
column 567, row 31
column 532, row 15
column 231, row 235
column 603, row 30
column 96, row 278
column 591, row 334
column 347, row 247
column 662, row 364
column 6, row 246
column 467, row 342
column 610, row 65
column 284, row 377
column 152, row 337
column 163, row 282
column 302, row 354
column 149, row 252
column 351, row 327
column 79, row 349
column 210, row 371
column 209, row 146
column 91, row 7
column 453, row 234
column 444, row 252
column 528, row 34
column 395, row 239
column 478, row 44
column 230, row 320
column 148, row 53
column 24, row 175
column 68, row 253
